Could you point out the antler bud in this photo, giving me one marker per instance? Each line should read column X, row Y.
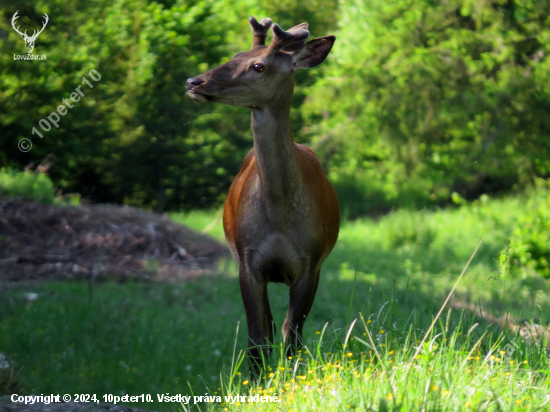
column 288, row 40
column 259, row 30
column 295, row 46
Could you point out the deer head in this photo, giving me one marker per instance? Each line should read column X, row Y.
column 29, row 40
column 256, row 77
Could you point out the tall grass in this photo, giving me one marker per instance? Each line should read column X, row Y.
column 458, row 368
column 180, row 338
column 453, row 366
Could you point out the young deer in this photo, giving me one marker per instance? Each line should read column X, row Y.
column 281, row 217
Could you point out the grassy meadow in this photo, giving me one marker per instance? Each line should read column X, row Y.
column 189, row 338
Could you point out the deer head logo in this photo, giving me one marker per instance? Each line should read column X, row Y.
column 29, row 40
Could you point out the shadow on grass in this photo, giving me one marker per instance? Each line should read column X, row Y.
column 154, row 338
column 138, row 338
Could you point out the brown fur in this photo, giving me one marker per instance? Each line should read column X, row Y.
column 281, row 217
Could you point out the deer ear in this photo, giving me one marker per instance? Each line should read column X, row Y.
column 313, row 53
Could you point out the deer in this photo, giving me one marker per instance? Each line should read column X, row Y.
column 29, row 40
column 281, row 217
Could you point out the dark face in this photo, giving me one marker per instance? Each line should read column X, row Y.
column 250, row 79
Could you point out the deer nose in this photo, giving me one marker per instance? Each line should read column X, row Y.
column 192, row 82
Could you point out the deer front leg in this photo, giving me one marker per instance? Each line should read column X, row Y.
column 258, row 318
column 302, row 294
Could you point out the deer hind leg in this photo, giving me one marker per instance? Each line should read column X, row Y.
column 302, row 294
column 258, row 318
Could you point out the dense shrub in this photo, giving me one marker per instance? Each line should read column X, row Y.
column 30, row 185
column 424, row 98
column 529, row 249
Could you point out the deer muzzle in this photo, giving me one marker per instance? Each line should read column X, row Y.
column 192, row 85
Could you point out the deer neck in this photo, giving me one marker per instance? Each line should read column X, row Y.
column 274, row 149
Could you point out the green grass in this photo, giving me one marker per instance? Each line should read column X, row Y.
column 123, row 338
column 207, row 222
column 180, row 338
column 457, row 368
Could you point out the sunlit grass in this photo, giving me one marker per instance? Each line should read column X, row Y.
column 180, row 338
column 455, row 370
column 402, row 365
column 205, row 221
column 423, row 250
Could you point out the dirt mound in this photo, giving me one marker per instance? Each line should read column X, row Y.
column 39, row 241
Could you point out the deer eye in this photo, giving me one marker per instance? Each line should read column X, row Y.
column 259, row 67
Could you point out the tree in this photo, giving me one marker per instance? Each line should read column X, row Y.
column 135, row 137
column 423, row 98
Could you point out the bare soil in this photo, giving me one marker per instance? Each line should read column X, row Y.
column 42, row 241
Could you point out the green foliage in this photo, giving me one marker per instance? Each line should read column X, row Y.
column 135, row 137
column 530, row 244
column 436, row 97
column 27, row 184
column 128, row 139
column 418, row 99
column 529, row 250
